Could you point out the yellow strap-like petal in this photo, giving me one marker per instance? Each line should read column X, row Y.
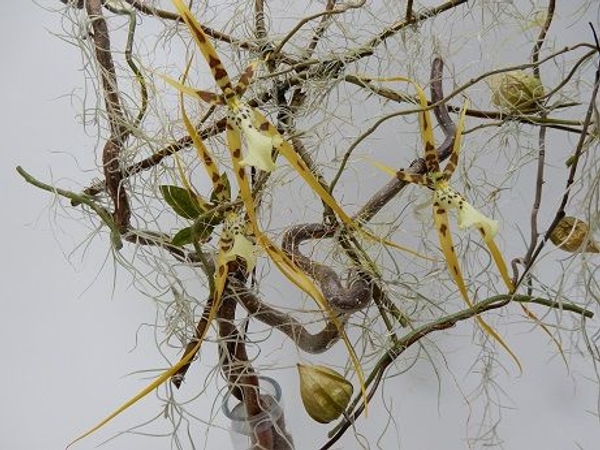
column 204, row 156
column 285, row 265
column 440, row 218
column 297, row 163
column 453, row 160
column 502, row 268
column 296, row 276
column 166, row 375
column 426, row 125
column 147, row 390
column 206, row 48
column 192, row 92
column 498, row 259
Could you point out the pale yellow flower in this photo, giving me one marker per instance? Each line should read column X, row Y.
column 259, row 144
column 467, row 215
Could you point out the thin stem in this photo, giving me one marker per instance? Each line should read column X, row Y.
column 560, row 213
column 307, row 19
column 321, row 28
column 416, row 335
column 111, row 154
column 535, row 56
column 409, row 11
column 539, row 186
column 259, row 20
column 130, row 62
column 143, row 7
column 104, row 215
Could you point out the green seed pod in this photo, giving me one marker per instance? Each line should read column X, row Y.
column 325, row 393
column 516, row 91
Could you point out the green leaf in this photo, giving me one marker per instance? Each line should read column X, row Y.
column 182, row 237
column 184, row 203
column 227, row 194
column 203, row 231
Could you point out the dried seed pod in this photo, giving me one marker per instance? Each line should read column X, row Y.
column 325, row 393
column 516, row 91
column 571, row 233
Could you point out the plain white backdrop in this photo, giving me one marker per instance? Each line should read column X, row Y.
column 69, row 319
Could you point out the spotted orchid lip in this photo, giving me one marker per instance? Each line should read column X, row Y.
column 259, row 144
column 467, row 215
column 244, row 248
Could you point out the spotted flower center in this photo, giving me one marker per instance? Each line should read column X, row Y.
column 467, row 215
column 259, row 144
column 238, row 242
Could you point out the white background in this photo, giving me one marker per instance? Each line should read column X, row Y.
column 69, row 320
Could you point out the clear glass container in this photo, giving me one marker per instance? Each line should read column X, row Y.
column 245, row 431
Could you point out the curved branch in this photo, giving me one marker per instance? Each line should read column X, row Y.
column 342, row 299
column 310, row 343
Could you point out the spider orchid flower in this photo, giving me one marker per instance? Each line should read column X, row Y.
column 259, row 144
column 467, row 215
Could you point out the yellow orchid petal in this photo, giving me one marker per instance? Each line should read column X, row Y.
column 259, row 144
column 295, row 275
column 498, row 259
column 162, row 378
column 281, row 260
column 502, row 268
column 440, row 218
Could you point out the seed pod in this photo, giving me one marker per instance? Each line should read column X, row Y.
column 325, row 393
column 571, row 233
column 516, row 91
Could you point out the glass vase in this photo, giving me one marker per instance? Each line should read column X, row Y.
column 268, row 426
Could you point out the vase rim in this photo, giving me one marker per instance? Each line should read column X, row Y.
column 276, row 395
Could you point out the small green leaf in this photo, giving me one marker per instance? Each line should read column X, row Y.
column 203, row 232
column 227, row 194
column 182, row 237
column 184, row 203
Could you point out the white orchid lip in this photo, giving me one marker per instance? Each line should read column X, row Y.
column 467, row 215
column 259, row 145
